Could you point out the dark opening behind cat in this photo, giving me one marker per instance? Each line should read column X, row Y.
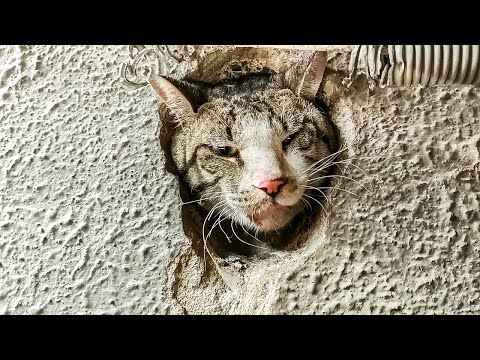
column 254, row 151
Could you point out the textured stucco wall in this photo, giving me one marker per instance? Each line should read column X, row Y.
column 411, row 244
column 85, row 201
column 90, row 219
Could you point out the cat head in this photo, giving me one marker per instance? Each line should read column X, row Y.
column 251, row 149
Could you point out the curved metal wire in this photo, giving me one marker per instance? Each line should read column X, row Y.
column 144, row 63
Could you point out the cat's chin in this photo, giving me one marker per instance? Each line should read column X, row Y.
column 274, row 217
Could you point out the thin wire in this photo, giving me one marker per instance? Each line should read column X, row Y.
column 133, row 67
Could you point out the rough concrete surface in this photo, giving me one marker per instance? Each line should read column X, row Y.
column 90, row 219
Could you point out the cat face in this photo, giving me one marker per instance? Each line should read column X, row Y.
column 250, row 155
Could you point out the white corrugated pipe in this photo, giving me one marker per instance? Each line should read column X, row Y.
column 413, row 65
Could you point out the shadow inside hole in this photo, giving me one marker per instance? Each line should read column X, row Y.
column 228, row 238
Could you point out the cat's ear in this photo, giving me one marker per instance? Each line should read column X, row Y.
column 174, row 96
column 305, row 77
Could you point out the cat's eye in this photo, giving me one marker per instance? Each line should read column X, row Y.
column 289, row 139
column 226, row 151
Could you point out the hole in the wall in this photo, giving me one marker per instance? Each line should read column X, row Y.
column 222, row 240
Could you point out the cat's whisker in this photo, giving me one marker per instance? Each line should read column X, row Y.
column 205, row 247
column 205, row 222
column 199, row 201
column 219, row 204
column 326, row 159
column 347, row 163
column 246, row 231
column 310, row 206
column 299, row 206
column 310, row 197
column 318, row 189
column 211, row 196
column 337, row 188
column 317, row 171
column 221, row 228
column 339, row 177
column 243, row 241
column 321, row 162
column 216, row 221
column 359, row 168
column 209, row 214
column 322, row 166
column 340, row 169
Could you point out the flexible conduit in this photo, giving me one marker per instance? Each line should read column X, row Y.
column 413, row 65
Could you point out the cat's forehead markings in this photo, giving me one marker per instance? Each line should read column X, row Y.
column 211, row 119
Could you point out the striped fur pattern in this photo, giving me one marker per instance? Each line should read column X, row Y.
column 227, row 138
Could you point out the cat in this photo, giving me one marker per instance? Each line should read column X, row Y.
column 254, row 151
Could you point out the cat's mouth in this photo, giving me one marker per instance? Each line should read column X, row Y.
column 272, row 212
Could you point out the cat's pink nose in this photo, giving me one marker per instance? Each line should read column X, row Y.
column 271, row 187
